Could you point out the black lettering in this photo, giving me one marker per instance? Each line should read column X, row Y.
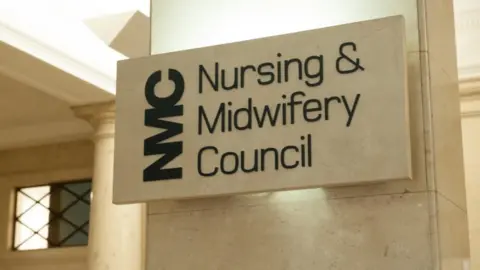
column 266, row 112
column 350, row 111
column 354, row 64
column 327, row 102
column 223, row 161
column 284, row 111
column 264, row 152
column 202, row 71
column 292, row 104
column 243, row 70
column 315, row 108
column 287, row 68
column 219, row 119
column 229, row 117
column 170, row 129
column 279, row 69
column 311, row 70
column 248, row 111
column 200, row 158
column 270, row 76
column 287, row 157
column 234, row 84
column 302, row 151
column 243, row 161
column 283, row 157
column 156, row 170
column 155, row 145
column 318, row 74
column 156, row 101
column 309, row 149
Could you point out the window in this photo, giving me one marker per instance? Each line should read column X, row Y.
column 52, row 216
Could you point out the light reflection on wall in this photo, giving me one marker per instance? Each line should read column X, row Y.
column 186, row 24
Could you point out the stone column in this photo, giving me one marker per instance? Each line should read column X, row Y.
column 116, row 232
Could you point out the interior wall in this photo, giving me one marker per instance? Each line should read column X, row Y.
column 39, row 166
column 471, row 150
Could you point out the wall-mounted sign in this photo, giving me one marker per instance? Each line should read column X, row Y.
column 309, row 109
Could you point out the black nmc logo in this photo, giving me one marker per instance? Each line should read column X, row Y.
column 160, row 117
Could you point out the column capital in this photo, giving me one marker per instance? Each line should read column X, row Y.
column 101, row 116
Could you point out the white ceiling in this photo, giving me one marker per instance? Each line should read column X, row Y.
column 84, row 9
column 59, row 25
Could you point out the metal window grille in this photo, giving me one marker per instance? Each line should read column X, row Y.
column 52, row 216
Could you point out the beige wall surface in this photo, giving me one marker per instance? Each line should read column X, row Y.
column 471, row 142
column 297, row 230
column 186, row 24
column 419, row 224
column 39, row 166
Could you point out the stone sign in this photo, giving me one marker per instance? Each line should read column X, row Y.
column 309, row 109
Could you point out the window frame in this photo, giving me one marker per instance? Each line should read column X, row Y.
column 44, row 257
column 55, row 187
